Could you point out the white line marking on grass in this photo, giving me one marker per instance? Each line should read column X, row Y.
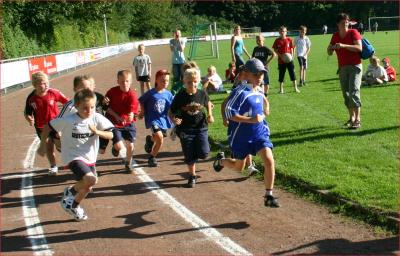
column 224, row 242
column 31, row 215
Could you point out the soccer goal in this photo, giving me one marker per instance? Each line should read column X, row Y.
column 204, row 41
column 383, row 23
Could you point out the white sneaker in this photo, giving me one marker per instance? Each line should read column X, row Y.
column 122, row 152
column 53, row 170
column 67, row 200
column 78, row 213
column 251, row 170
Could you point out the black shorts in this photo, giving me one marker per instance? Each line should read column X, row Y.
column 155, row 128
column 53, row 134
column 80, row 169
column 282, row 70
column 194, row 144
column 127, row 132
column 144, row 79
column 302, row 62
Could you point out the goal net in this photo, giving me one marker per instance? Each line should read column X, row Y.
column 204, row 43
column 383, row 23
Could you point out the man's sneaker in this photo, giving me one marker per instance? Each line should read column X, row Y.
column 114, row 152
column 271, row 201
column 192, row 181
column 217, row 164
column 251, row 170
column 148, row 146
column 152, row 161
column 128, row 168
column 78, row 213
column 53, row 170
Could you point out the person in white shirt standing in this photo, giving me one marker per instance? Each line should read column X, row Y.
column 142, row 64
column 303, row 47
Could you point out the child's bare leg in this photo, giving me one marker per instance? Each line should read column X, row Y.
column 129, row 152
column 84, row 186
column 147, row 84
column 119, row 145
column 50, row 152
column 158, row 139
column 266, row 88
column 269, row 167
column 249, row 160
column 235, row 164
column 141, row 87
column 295, row 86
column 281, row 87
column 192, row 169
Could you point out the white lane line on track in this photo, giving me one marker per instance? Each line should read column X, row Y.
column 31, row 215
column 224, row 242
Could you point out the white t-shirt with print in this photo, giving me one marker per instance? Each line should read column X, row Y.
column 78, row 142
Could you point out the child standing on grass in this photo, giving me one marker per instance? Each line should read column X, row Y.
column 250, row 132
column 142, row 64
column 40, row 108
column 284, row 45
column 265, row 55
column 303, row 47
column 79, row 143
column 188, row 114
column 122, row 107
column 154, row 105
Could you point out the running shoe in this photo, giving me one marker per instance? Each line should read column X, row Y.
column 53, row 171
column 217, row 163
column 271, row 201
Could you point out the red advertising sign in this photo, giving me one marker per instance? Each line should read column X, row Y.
column 36, row 65
column 50, row 64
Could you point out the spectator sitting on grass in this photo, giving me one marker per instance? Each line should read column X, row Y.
column 230, row 73
column 212, row 82
column 376, row 74
column 391, row 73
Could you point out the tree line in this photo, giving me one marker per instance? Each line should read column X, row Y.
column 37, row 27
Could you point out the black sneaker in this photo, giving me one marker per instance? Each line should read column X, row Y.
column 114, row 152
column 152, row 161
column 192, row 181
column 128, row 168
column 271, row 201
column 148, row 146
column 217, row 165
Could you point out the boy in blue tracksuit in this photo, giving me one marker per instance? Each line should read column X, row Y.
column 154, row 105
column 248, row 131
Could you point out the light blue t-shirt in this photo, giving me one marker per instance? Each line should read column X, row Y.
column 238, row 47
column 178, row 57
column 156, row 106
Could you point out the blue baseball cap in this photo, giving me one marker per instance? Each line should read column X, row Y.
column 254, row 65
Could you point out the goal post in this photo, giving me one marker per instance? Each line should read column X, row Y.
column 249, row 32
column 384, row 23
column 204, row 41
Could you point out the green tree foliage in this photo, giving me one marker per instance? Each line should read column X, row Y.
column 32, row 27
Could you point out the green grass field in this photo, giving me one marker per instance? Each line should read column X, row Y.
column 307, row 128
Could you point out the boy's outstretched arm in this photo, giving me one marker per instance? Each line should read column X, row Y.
column 108, row 135
column 210, row 117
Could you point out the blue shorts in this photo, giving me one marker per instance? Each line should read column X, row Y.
column 266, row 78
column 127, row 132
column 241, row 150
column 80, row 169
column 194, row 144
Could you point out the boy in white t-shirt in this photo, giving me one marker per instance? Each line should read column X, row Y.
column 212, row 82
column 376, row 74
column 79, row 147
column 303, row 47
column 142, row 64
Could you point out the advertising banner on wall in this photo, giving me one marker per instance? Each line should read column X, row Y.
column 66, row 61
column 36, row 65
column 12, row 73
column 80, row 58
column 50, row 64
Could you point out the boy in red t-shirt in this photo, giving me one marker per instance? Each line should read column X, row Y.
column 284, row 48
column 391, row 73
column 40, row 108
column 123, row 105
column 230, row 73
